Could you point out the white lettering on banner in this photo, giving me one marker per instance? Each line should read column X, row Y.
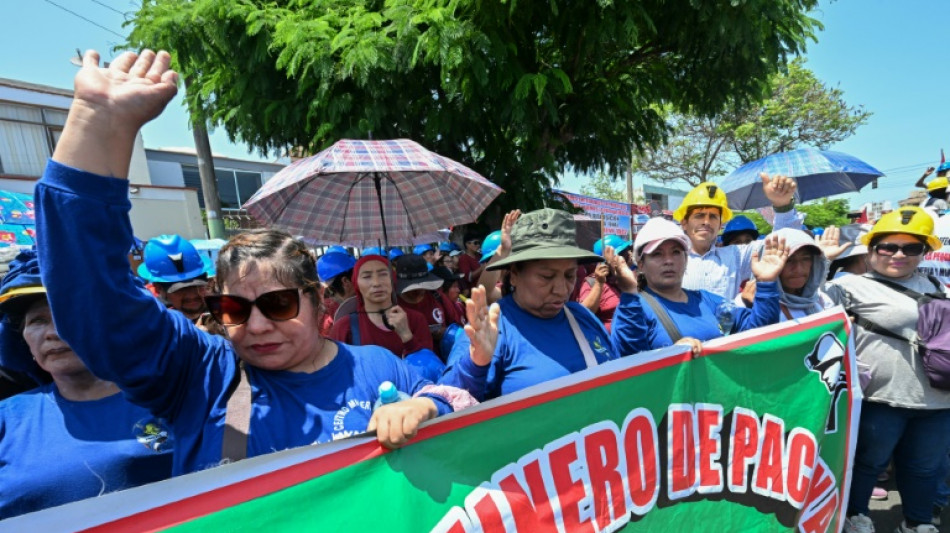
column 602, row 477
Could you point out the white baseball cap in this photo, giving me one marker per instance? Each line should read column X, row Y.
column 657, row 231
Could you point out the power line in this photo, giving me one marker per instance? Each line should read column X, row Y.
column 94, row 23
column 110, row 8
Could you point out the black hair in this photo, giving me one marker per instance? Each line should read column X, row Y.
column 336, row 284
column 288, row 259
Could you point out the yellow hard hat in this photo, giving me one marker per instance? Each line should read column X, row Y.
column 939, row 183
column 910, row 220
column 706, row 194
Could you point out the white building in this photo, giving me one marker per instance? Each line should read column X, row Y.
column 31, row 121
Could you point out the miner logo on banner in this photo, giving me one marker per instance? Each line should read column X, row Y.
column 826, row 359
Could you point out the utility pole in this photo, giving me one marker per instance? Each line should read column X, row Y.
column 630, row 181
column 209, row 184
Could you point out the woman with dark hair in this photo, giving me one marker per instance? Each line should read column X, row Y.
column 902, row 415
column 377, row 320
column 277, row 383
column 76, row 437
column 664, row 313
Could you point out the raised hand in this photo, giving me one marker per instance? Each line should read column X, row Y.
column 601, row 271
column 109, row 107
column 828, row 242
column 132, row 90
column 626, row 279
column 780, row 190
column 504, row 249
column 770, row 265
column 482, row 327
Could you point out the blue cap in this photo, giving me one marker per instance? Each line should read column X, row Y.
column 449, row 247
column 395, row 252
column 421, row 249
column 740, row 223
column 489, row 245
column 170, row 259
column 332, row 264
column 427, row 364
column 618, row 243
column 373, row 250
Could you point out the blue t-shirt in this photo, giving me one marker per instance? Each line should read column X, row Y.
column 54, row 451
column 530, row 350
column 637, row 329
column 161, row 361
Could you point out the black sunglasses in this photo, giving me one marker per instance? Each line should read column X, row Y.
column 231, row 310
column 910, row 250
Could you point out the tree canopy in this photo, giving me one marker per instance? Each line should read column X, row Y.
column 801, row 111
column 517, row 90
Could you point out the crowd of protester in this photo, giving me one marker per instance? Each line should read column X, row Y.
column 183, row 364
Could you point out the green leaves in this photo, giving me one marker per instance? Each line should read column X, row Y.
column 517, row 90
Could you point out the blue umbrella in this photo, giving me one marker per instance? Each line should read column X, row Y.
column 819, row 174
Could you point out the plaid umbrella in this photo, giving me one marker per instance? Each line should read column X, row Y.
column 819, row 173
column 360, row 192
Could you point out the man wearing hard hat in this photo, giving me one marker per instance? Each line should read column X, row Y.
column 721, row 270
column 936, row 201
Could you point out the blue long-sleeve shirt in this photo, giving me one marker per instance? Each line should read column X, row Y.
column 55, row 451
column 636, row 327
column 530, row 350
column 161, row 361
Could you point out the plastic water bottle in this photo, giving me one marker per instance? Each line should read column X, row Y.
column 725, row 314
column 388, row 393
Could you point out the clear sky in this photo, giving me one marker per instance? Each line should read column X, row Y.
column 889, row 56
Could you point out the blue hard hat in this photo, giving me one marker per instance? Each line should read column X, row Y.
column 336, row 248
column 740, row 223
column 448, row 338
column 170, row 259
column 427, row 364
column 394, row 253
column 943, row 166
column 818, row 232
column 332, row 264
column 448, row 247
column 373, row 250
column 489, row 245
column 618, row 243
column 421, row 249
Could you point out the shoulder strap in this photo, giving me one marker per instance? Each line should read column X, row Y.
column 875, row 328
column 899, row 288
column 582, row 341
column 237, row 419
column 355, row 330
column 663, row 316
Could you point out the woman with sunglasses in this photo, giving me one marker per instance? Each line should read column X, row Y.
column 902, row 415
column 277, row 383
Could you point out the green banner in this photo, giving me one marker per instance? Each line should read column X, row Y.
column 757, row 434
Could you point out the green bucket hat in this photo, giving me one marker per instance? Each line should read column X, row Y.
column 545, row 234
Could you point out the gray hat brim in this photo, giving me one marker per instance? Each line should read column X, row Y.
column 535, row 253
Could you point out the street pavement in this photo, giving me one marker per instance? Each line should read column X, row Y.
column 887, row 514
